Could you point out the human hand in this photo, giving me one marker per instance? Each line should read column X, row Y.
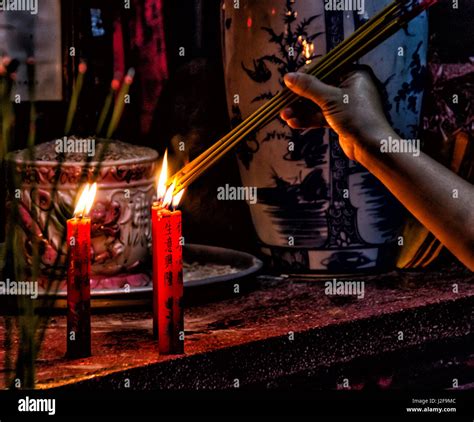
column 353, row 110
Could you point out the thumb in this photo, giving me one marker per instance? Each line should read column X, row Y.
column 310, row 87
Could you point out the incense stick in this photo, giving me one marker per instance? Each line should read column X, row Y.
column 76, row 92
column 114, row 86
column 31, row 63
column 120, row 103
column 285, row 94
column 368, row 36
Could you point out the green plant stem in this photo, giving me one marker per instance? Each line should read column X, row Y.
column 73, row 103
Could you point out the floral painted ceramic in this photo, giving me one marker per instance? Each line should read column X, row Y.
column 317, row 210
column 120, row 215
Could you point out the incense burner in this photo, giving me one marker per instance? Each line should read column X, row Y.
column 120, row 216
column 317, row 211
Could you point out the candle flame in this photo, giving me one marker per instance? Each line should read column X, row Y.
column 168, row 199
column 164, row 191
column 162, row 180
column 86, row 200
column 177, row 198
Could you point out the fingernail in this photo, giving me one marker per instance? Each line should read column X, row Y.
column 290, row 79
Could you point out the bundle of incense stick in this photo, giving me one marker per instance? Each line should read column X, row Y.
column 386, row 23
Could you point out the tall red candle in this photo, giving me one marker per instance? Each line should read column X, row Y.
column 78, row 278
column 167, row 280
column 157, row 225
column 168, row 323
column 178, row 288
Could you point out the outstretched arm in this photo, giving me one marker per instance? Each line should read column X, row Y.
column 437, row 197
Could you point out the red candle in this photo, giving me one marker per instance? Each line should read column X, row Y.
column 157, row 224
column 178, row 290
column 78, row 277
column 168, row 320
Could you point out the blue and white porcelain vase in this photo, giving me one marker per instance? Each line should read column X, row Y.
column 317, row 211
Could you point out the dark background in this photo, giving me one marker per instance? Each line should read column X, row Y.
column 192, row 105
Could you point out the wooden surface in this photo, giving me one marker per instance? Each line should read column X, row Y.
column 278, row 328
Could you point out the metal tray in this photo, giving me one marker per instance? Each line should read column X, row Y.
column 242, row 263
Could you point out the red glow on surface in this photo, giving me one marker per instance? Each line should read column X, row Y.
column 249, row 22
column 273, row 11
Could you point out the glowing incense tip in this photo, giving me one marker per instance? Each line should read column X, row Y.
column 82, row 68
